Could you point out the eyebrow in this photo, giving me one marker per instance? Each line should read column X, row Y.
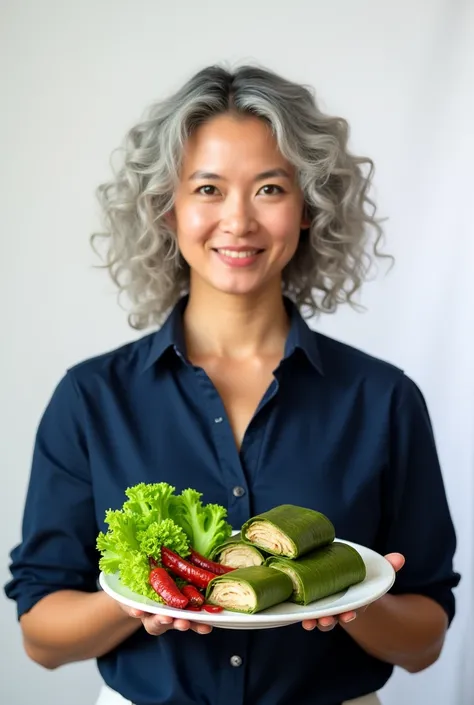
column 270, row 174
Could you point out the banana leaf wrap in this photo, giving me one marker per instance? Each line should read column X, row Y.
column 249, row 590
column 237, row 553
column 321, row 573
column 289, row 530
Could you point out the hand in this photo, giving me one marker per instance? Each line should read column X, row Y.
column 156, row 625
column 325, row 624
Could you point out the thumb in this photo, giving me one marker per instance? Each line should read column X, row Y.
column 396, row 560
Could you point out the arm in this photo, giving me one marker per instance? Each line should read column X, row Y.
column 407, row 627
column 80, row 626
column 404, row 630
column 63, row 617
column 54, row 569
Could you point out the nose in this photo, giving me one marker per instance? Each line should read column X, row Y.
column 238, row 218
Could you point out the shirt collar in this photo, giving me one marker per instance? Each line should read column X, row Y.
column 171, row 336
column 301, row 337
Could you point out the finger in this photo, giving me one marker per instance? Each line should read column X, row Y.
column 136, row 613
column 153, row 625
column 347, row 617
column 326, row 623
column 182, row 625
column 201, row 628
column 326, row 629
column 164, row 619
column 309, row 624
column 397, row 560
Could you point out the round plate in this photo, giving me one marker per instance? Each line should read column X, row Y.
column 380, row 578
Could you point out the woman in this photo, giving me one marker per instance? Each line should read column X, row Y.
column 237, row 206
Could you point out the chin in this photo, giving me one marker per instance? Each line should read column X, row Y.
column 237, row 283
column 232, row 286
column 238, row 291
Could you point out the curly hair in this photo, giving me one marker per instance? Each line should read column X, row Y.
column 332, row 259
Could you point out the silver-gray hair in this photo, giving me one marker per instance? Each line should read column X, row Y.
column 332, row 259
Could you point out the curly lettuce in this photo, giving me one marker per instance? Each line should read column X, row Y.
column 153, row 516
column 205, row 525
column 138, row 531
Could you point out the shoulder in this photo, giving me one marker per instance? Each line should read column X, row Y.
column 123, row 363
column 339, row 357
column 349, row 366
column 95, row 382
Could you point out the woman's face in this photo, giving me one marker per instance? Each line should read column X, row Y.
column 238, row 208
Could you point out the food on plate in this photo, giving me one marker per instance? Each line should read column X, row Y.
column 153, row 516
column 176, row 550
column 237, row 553
column 323, row 572
column 164, row 586
column 289, row 530
column 208, row 564
column 249, row 590
column 196, row 598
column 205, row 525
column 183, row 569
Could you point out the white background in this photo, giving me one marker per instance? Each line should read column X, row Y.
column 76, row 75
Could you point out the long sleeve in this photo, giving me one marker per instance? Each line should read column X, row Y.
column 59, row 529
column 419, row 524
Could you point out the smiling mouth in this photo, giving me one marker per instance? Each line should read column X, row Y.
column 237, row 254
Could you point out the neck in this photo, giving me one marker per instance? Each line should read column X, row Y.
column 234, row 326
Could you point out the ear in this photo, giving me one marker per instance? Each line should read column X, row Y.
column 305, row 218
column 170, row 218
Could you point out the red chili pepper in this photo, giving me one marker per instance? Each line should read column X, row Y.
column 212, row 608
column 183, row 569
column 207, row 564
column 152, row 562
column 194, row 596
column 193, row 609
column 164, row 585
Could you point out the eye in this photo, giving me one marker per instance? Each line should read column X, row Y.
column 271, row 190
column 207, row 190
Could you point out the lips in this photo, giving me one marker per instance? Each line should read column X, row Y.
column 238, row 257
column 237, row 254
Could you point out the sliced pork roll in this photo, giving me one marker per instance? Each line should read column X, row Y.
column 321, row 573
column 249, row 590
column 237, row 553
column 288, row 530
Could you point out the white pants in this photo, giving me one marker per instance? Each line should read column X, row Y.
column 110, row 697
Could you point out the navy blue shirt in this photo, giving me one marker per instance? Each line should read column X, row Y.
column 337, row 430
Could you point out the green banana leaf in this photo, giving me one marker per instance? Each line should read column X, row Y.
column 289, row 530
column 249, row 590
column 321, row 573
column 237, row 553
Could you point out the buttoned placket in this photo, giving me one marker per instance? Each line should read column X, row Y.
column 237, row 468
column 233, row 465
column 238, row 499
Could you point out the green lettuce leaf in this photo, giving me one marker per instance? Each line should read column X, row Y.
column 149, row 503
column 205, row 525
column 134, row 572
column 153, row 516
column 138, row 531
column 163, row 533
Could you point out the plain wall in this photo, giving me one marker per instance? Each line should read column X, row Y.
column 75, row 76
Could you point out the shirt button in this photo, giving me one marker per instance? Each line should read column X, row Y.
column 235, row 661
column 238, row 491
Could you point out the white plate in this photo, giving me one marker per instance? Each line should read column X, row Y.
column 380, row 578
